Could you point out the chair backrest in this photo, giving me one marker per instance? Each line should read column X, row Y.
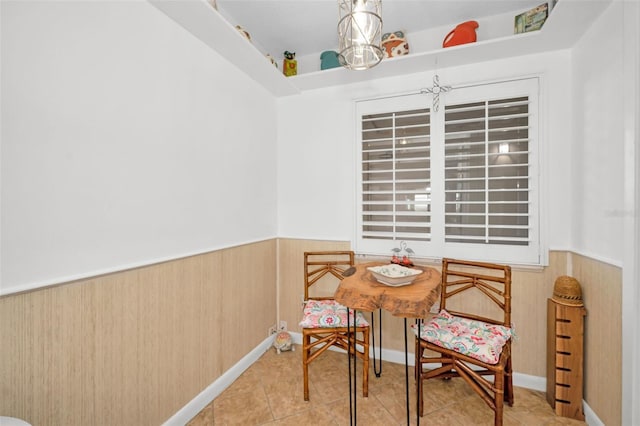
column 324, row 270
column 477, row 290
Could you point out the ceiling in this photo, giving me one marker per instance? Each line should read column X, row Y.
column 310, row 26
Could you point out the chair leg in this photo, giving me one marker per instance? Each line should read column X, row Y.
column 306, row 342
column 508, row 383
column 499, row 385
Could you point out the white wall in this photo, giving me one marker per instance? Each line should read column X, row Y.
column 598, row 147
column 124, row 141
column 607, row 100
column 317, row 134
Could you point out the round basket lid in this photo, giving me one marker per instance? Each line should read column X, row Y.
column 567, row 291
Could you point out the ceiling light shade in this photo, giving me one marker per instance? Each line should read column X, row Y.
column 360, row 33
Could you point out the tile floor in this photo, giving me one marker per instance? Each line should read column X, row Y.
column 270, row 393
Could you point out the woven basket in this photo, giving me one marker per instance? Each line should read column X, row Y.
column 567, row 291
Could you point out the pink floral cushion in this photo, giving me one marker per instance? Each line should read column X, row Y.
column 328, row 314
column 477, row 339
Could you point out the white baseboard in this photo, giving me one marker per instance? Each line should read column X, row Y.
column 590, row 416
column 196, row 405
column 530, row 382
column 205, row 397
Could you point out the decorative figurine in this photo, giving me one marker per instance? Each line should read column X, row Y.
column 402, row 259
column 289, row 65
column 394, row 44
column 282, row 342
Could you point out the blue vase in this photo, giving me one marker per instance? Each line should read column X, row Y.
column 329, row 59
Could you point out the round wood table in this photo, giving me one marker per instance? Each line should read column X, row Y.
column 361, row 291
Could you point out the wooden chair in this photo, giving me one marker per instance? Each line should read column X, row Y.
column 471, row 343
column 324, row 322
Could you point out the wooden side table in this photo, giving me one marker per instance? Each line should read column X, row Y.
column 565, row 358
column 363, row 292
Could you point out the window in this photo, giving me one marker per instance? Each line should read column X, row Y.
column 458, row 182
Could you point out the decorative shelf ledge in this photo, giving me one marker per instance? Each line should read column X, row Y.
column 565, row 25
column 207, row 24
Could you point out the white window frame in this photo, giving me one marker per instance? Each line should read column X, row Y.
column 437, row 248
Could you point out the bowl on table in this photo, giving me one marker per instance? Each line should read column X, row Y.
column 394, row 275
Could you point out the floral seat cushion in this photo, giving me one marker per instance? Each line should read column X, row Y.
column 328, row 314
column 476, row 339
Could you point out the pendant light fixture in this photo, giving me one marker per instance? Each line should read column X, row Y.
column 360, row 33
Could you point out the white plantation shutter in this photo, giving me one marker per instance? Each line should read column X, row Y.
column 396, row 176
column 487, row 172
column 460, row 182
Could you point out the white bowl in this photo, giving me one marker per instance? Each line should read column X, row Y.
column 394, row 275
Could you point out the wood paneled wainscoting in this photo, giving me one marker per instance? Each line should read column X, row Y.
column 601, row 285
column 133, row 347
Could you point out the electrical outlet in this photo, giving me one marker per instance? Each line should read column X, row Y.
column 283, row 326
column 272, row 330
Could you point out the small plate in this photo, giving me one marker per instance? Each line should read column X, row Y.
column 394, row 275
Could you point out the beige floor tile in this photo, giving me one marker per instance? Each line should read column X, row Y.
column 270, row 393
column 392, row 396
column 286, row 399
column 247, row 382
column 319, row 415
column 369, row 412
column 246, row 408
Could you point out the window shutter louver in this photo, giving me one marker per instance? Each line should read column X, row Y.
column 487, row 172
column 396, row 176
